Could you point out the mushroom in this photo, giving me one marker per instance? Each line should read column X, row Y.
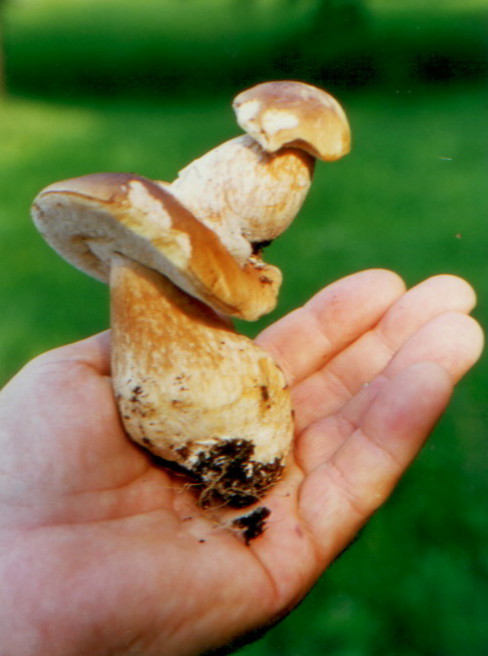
column 181, row 259
column 249, row 189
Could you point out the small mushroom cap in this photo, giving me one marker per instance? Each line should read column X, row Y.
column 295, row 114
column 91, row 219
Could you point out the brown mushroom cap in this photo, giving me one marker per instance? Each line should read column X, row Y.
column 90, row 219
column 296, row 114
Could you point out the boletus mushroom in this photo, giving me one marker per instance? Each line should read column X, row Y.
column 181, row 260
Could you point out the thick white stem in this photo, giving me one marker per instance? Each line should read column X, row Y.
column 193, row 391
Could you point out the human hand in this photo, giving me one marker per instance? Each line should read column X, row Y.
column 104, row 552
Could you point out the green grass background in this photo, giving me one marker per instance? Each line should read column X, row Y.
column 411, row 197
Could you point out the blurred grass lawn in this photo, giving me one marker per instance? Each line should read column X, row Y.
column 106, row 47
column 411, row 197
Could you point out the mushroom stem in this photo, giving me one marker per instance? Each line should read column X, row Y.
column 194, row 391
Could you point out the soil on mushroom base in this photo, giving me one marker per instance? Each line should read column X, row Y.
column 230, row 476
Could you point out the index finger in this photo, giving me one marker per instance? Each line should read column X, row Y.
column 332, row 319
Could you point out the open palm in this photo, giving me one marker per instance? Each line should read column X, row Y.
column 104, row 552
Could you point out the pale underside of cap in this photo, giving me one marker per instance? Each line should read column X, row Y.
column 88, row 220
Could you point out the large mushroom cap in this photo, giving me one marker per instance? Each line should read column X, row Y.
column 291, row 113
column 89, row 220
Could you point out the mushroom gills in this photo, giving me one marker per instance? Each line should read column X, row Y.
column 202, row 396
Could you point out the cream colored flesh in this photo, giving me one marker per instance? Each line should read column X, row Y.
column 243, row 193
